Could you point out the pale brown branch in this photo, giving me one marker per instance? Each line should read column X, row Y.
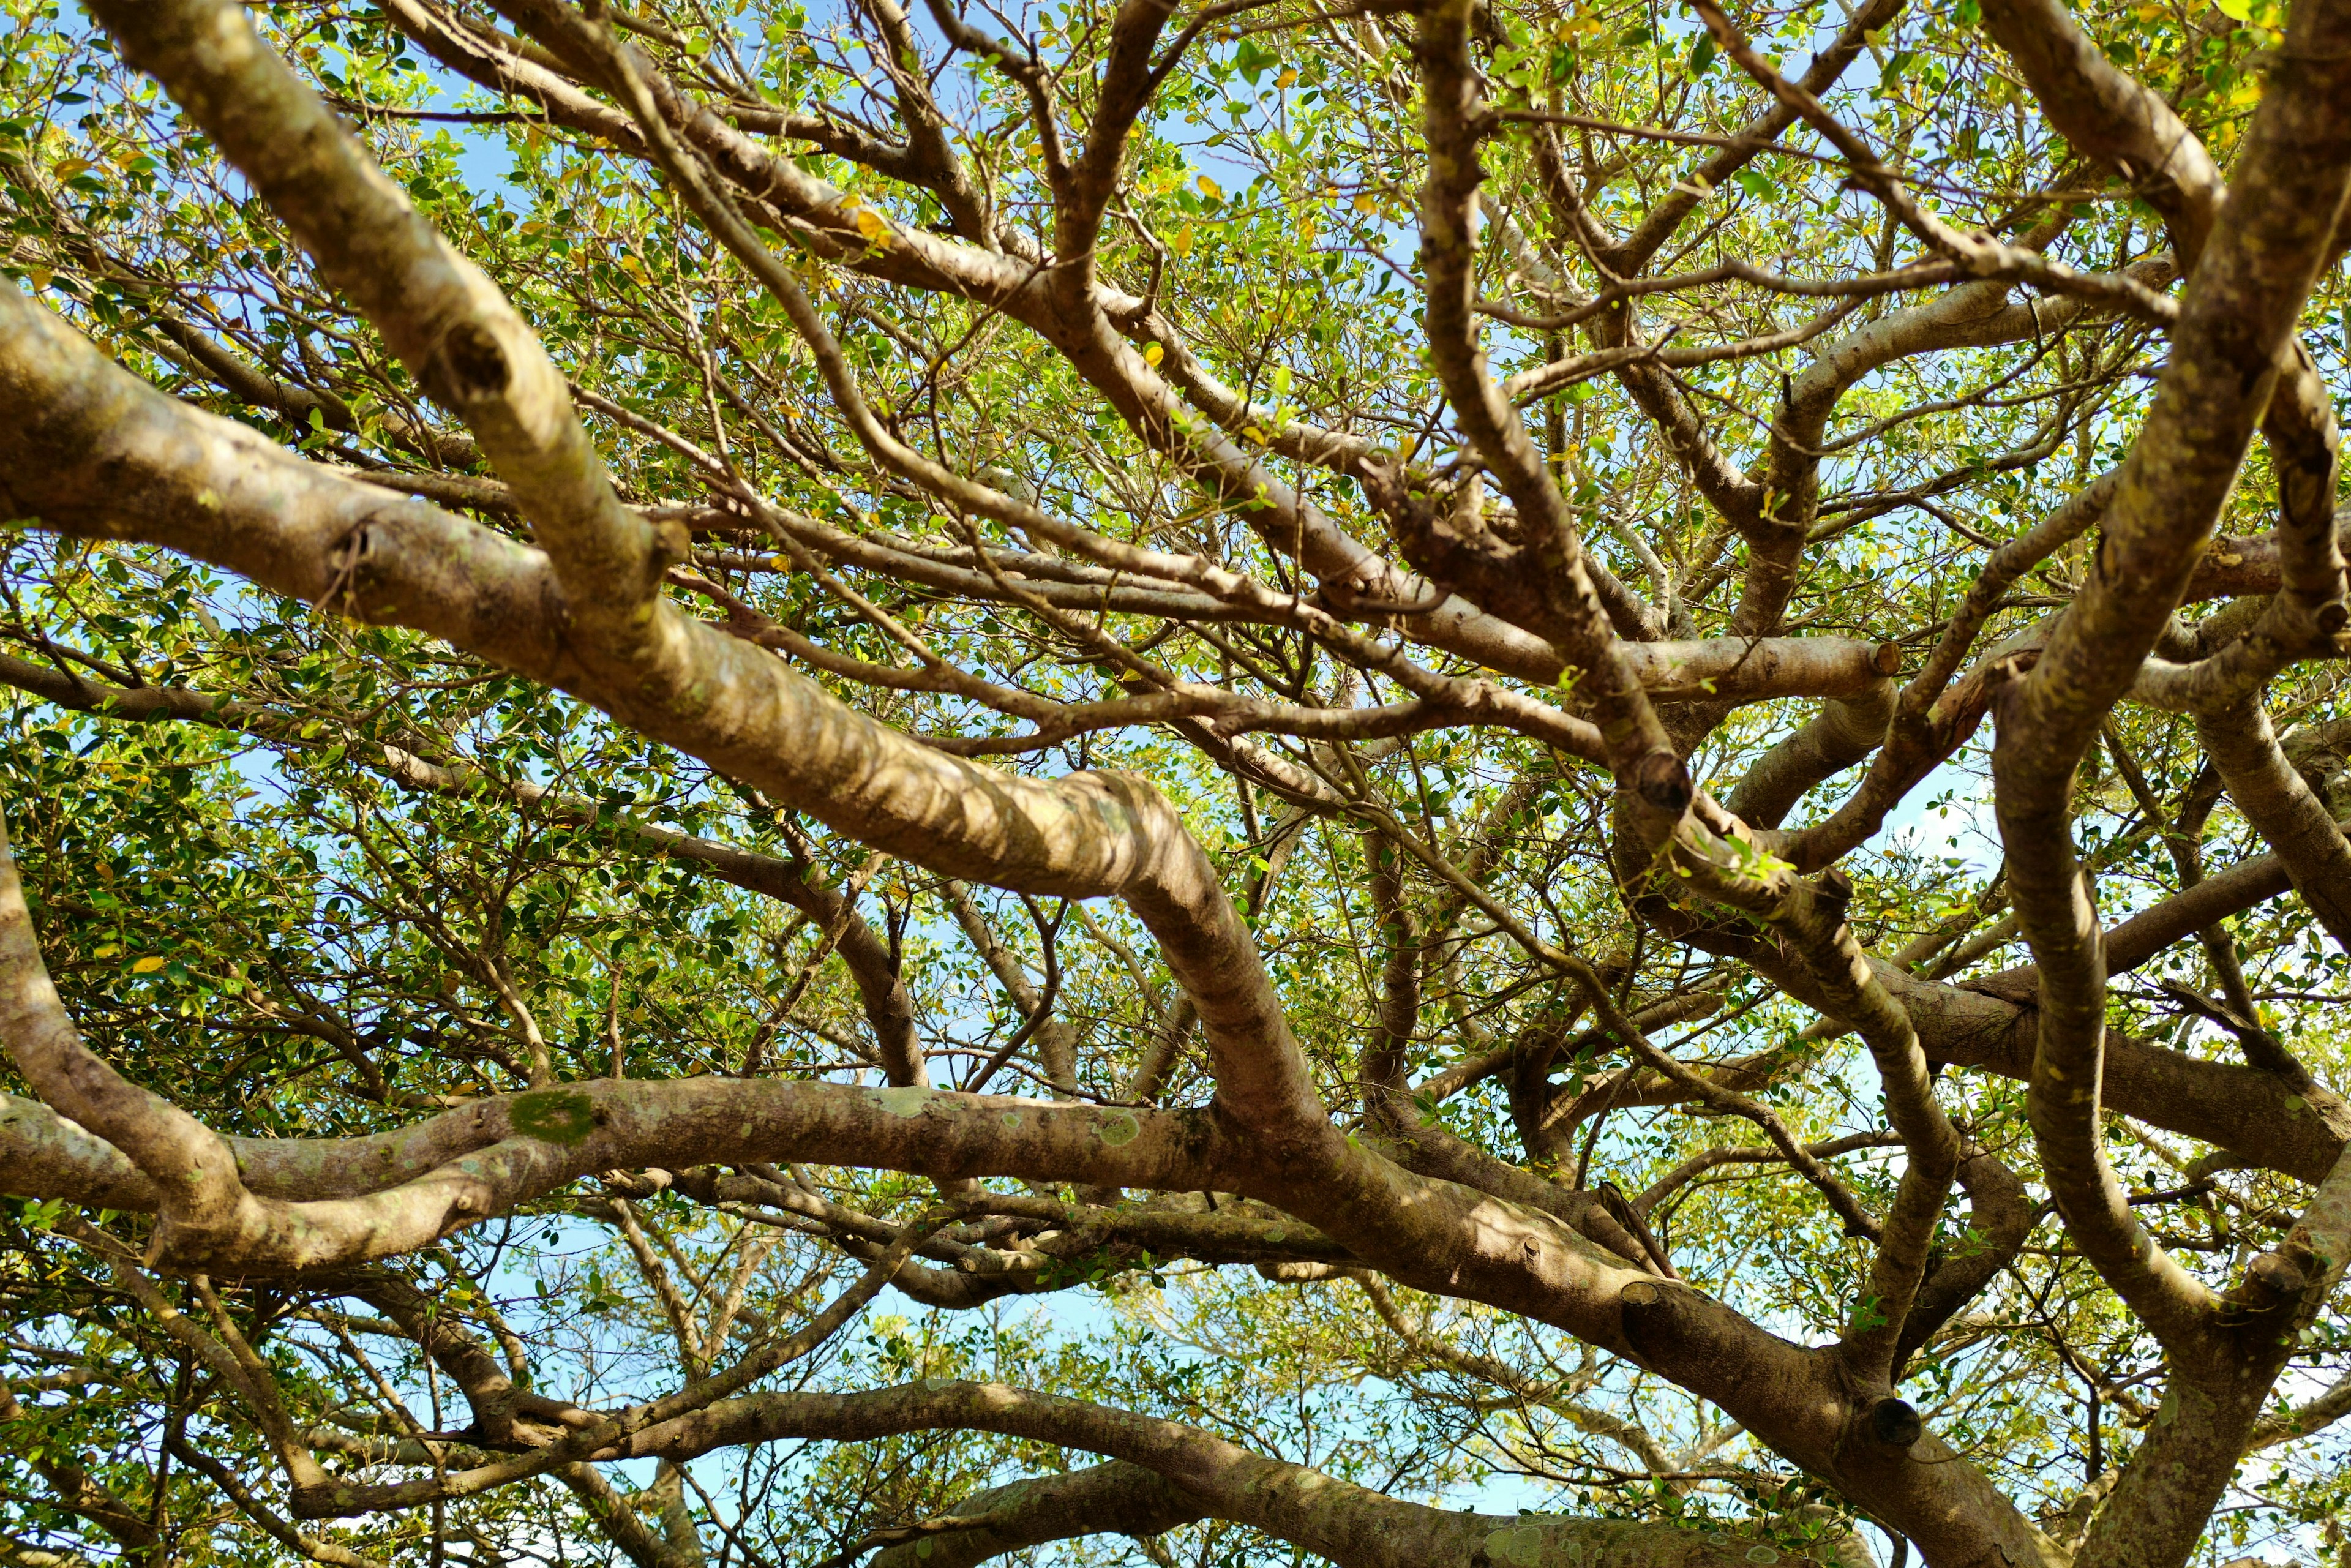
column 447, row 322
column 2282, row 807
column 1096, row 1499
column 1348, row 1524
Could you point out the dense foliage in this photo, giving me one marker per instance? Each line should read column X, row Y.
column 1560, row 498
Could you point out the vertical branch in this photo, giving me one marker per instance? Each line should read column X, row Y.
column 1382, row 1071
column 446, row 321
column 1816, row 918
column 2279, row 803
column 2233, row 334
column 1057, row 1042
column 1640, row 754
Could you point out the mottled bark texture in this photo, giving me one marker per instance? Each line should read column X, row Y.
column 1543, row 643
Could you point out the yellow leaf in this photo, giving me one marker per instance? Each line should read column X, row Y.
column 1182, row 244
column 1288, row 77
column 1210, row 189
column 67, row 168
column 874, row 226
column 148, row 965
column 1153, row 353
column 1367, row 203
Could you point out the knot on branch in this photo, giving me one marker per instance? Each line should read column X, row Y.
column 1892, row 1423
column 672, row 544
column 1662, row 782
column 476, row 363
column 2272, row 1281
column 345, row 558
column 315, row 1503
column 1649, row 1315
column 1832, row 896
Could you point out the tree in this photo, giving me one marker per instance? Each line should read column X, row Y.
column 676, row 665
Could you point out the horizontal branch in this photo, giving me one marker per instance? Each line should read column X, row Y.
column 1348, row 1524
column 352, row 1199
column 1099, row 1499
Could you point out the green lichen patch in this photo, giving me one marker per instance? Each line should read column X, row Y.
column 1119, row 1128
column 554, row 1116
column 1520, row 1546
column 906, row 1102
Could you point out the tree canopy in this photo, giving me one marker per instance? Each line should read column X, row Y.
column 1514, row 783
